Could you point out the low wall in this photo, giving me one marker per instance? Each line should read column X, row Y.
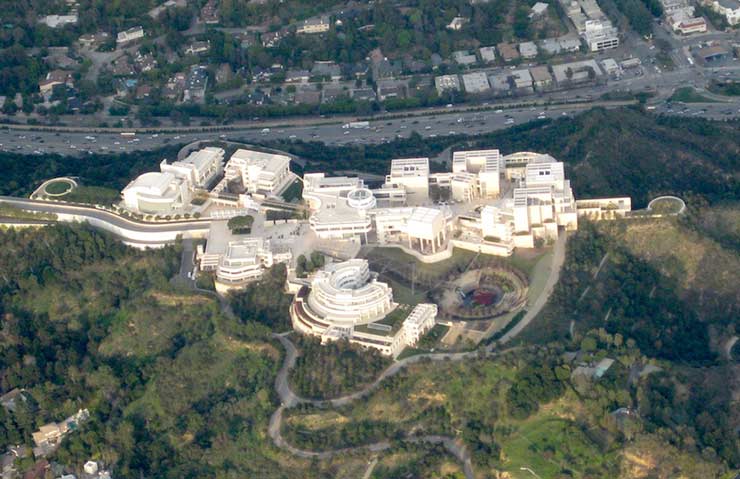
column 484, row 248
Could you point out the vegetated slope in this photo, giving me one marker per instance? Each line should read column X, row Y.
column 174, row 388
column 625, row 152
column 23, row 173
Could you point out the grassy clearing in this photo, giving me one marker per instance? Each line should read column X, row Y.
column 294, row 192
column 689, row 95
column 58, row 187
column 547, row 444
column 96, row 195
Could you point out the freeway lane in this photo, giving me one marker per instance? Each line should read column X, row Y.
column 380, row 131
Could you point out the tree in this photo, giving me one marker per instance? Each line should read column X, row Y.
column 241, row 224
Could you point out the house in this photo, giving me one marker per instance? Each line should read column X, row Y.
column 356, row 70
column 224, row 73
column 196, row 84
column 175, row 86
column 155, row 12
column 387, row 69
column 500, row 84
column 569, row 45
column 476, row 82
column 528, row 50
column 487, row 54
column 123, row 67
column 436, row 60
column 56, row 21
column 391, row 89
column 464, row 57
column 611, row 67
column 93, row 40
column 363, row 94
column 577, row 72
column 446, row 83
column 307, row 96
column 297, row 76
column 521, row 81
column 129, row 36
column 541, row 77
column 332, row 92
column 10, row 399
column 326, row 69
column 538, row 10
column 687, row 26
column 271, row 39
column 145, row 63
column 508, row 52
column 209, row 13
column 143, row 91
column 313, row 25
column 457, row 23
column 712, row 54
column 54, row 78
column 196, row 48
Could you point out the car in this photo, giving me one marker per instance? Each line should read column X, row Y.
column 499, row 111
column 541, row 117
column 292, row 137
column 509, row 121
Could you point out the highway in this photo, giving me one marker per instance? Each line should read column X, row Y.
column 379, row 131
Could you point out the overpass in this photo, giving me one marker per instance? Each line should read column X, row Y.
column 135, row 233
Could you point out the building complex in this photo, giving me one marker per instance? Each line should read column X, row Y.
column 487, row 202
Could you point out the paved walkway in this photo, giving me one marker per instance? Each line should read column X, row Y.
column 558, row 258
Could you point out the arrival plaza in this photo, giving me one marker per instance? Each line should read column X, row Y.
column 488, row 203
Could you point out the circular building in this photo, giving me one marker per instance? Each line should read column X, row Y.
column 361, row 199
column 341, row 296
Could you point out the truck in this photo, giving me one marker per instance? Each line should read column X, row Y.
column 128, row 133
column 357, row 124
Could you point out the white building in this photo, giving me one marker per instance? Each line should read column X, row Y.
column 339, row 206
column 238, row 259
column 729, row 8
column 56, row 21
column 483, row 163
column 419, row 228
column 170, row 190
column 314, row 25
column 130, row 35
column 260, row 173
column 345, row 300
column 413, row 175
column 528, row 50
column 600, row 35
column 538, row 9
column 199, row 167
column 476, row 82
column 445, row 83
column 157, row 192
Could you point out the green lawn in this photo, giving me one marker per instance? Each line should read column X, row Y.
column 58, row 187
column 96, row 195
column 547, row 445
column 294, row 192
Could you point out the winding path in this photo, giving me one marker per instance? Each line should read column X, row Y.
column 289, row 399
column 558, row 258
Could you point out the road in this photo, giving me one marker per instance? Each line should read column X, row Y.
column 558, row 258
column 289, row 399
